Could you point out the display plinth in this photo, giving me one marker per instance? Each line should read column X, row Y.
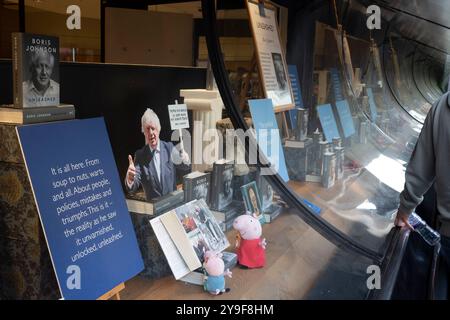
column 26, row 271
column 207, row 108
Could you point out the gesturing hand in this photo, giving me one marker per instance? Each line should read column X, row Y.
column 131, row 172
column 184, row 157
column 401, row 220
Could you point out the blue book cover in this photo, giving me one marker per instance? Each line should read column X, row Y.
column 345, row 116
column 328, row 122
column 336, row 83
column 81, row 205
column 268, row 135
column 298, row 100
column 372, row 105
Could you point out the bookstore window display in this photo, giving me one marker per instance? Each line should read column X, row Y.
column 360, row 195
column 344, row 175
column 361, row 173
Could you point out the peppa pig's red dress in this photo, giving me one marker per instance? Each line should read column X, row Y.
column 251, row 254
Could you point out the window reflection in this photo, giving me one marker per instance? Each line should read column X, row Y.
column 50, row 18
column 388, row 171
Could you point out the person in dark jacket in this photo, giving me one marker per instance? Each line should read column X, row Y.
column 154, row 165
column 430, row 164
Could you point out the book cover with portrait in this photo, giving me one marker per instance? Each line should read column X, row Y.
column 252, row 200
column 35, row 70
column 222, row 179
column 201, row 227
column 196, row 186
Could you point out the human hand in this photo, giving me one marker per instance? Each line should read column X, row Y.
column 401, row 220
column 131, row 172
column 184, row 156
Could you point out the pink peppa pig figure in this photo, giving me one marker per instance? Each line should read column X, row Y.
column 214, row 281
column 250, row 247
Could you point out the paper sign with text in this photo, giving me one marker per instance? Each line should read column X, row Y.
column 328, row 122
column 297, row 92
column 178, row 116
column 81, row 205
column 345, row 116
column 269, row 53
column 268, row 135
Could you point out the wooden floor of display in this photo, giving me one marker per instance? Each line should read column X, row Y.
column 245, row 284
column 296, row 255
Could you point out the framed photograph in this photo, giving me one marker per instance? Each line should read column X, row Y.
column 266, row 192
column 272, row 64
column 252, row 200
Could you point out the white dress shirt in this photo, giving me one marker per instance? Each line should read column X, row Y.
column 157, row 159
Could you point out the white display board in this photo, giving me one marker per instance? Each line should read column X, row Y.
column 178, row 116
column 271, row 60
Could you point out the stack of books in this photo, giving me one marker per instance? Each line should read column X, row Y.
column 36, row 90
column 12, row 115
column 272, row 212
column 196, row 186
column 138, row 204
column 226, row 216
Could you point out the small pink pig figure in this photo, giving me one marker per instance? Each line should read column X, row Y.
column 250, row 247
column 214, row 281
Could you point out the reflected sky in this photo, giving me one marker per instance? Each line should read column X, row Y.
column 389, row 171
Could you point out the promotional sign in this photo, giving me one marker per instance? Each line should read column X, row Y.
column 296, row 91
column 336, row 83
column 346, row 118
column 328, row 122
column 81, row 205
column 272, row 64
column 178, row 116
column 268, row 135
column 344, row 54
column 372, row 105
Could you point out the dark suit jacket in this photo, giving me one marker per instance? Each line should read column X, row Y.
column 146, row 172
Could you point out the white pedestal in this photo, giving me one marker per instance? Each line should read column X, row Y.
column 207, row 108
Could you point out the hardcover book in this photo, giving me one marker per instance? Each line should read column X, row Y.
column 222, row 178
column 272, row 212
column 230, row 212
column 155, row 206
column 196, row 186
column 36, row 115
column 186, row 233
column 239, row 181
column 266, row 192
column 299, row 161
column 35, row 70
column 252, row 200
column 291, row 143
column 329, row 169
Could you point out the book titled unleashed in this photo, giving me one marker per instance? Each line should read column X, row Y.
column 35, row 70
